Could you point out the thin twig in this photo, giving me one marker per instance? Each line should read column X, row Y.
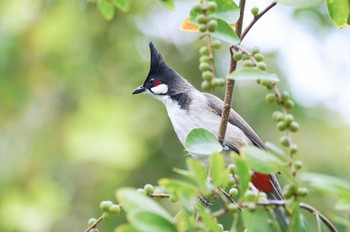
column 230, row 83
column 94, row 224
column 160, row 195
column 256, row 18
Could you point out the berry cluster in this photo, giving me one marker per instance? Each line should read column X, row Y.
column 251, row 59
column 207, row 22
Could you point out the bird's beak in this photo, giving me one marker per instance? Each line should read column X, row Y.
column 139, row 89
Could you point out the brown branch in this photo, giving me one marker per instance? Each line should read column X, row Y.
column 160, row 195
column 230, row 83
column 94, row 224
column 256, row 18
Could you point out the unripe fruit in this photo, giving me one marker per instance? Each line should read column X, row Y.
column 216, row 44
column 218, row 82
column 281, row 126
column 254, row 11
column 278, row 116
column 250, row 196
column 197, row 7
column 206, row 86
column 211, row 6
column 237, row 56
column 105, row 205
column 294, row 126
column 293, row 148
column 248, row 63
column 289, row 104
column 231, row 181
column 284, row 141
column 204, row 66
column 173, row 198
column 201, row 18
column 289, row 190
column 207, row 75
column 259, row 57
column 202, row 28
column 302, row 191
column 149, row 189
column 285, row 95
column 212, row 25
column 232, row 208
column 232, row 168
column 270, row 98
column 114, row 209
column 255, row 50
column 289, row 119
column 106, row 215
column 252, row 207
column 261, row 65
column 298, row 164
column 204, row 50
column 245, row 56
column 212, row 17
column 204, row 58
column 92, row 221
column 265, row 82
column 262, row 196
column 141, row 190
column 233, row 192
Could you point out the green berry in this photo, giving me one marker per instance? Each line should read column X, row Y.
column 212, row 6
column 204, row 58
column 293, row 148
column 237, row 56
column 204, row 50
column 252, row 207
column 207, row 75
column 212, row 17
column 255, row 50
column 281, row 126
column 212, row 25
column 149, row 189
column 248, row 63
column 201, row 19
column 298, row 164
column 250, row 196
column 232, row 208
column 202, row 28
column 259, row 57
column 231, row 181
column 245, row 56
column 278, row 116
column 206, row 86
column 141, row 190
column 173, row 198
column 289, row 119
column 289, row 104
column 105, row 205
column 197, row 7
column 270, row 98
column 218, row 82
column 233, row 192
column 289, row 190
column 92, row 221
column 284, row 141
column 217, row 44
column 261, row 65
column 106, row 215
column 262, row 196
column 254, row 11
column 285, row 95
column 265, row 82
column 114, row 209
column 204, row 66
column 302, row 191
column 294, row 126
column 232, row 168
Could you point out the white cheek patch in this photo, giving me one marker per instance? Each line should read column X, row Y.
column 160, row 89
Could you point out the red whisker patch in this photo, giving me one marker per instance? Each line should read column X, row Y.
column 156, row 83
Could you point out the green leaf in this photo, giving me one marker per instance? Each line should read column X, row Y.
column 243, row 173
column 201, row 142
column 252, row 73
column 133, row 200
column 123, row 5
column 106, row 8
column 339, row 12
column 299, row 3
column 328, row 184
column 257, row 220
column 226, row 33
column 262, row 161
column 209, row 221
column 227, row 10
column 168, row 3
column 277, row 151
column 198, row 170
column 147, row 221
column 178, row 187
column 218, row 170
column 125, row 228
column 297, row 221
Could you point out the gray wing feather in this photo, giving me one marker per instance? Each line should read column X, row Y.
column 216, row 104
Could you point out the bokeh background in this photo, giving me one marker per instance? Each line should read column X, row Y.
column 71, row 133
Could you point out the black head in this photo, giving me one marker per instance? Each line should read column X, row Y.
column 161, row 79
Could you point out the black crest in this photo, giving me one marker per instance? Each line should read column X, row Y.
column 157, row 61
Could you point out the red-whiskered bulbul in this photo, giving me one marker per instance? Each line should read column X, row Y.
column 189, row 108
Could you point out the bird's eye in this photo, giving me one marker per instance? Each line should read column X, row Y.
column 155, row 82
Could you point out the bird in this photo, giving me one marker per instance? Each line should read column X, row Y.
column 189, row 108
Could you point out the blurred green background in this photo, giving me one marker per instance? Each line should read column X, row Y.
column 71, row 133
